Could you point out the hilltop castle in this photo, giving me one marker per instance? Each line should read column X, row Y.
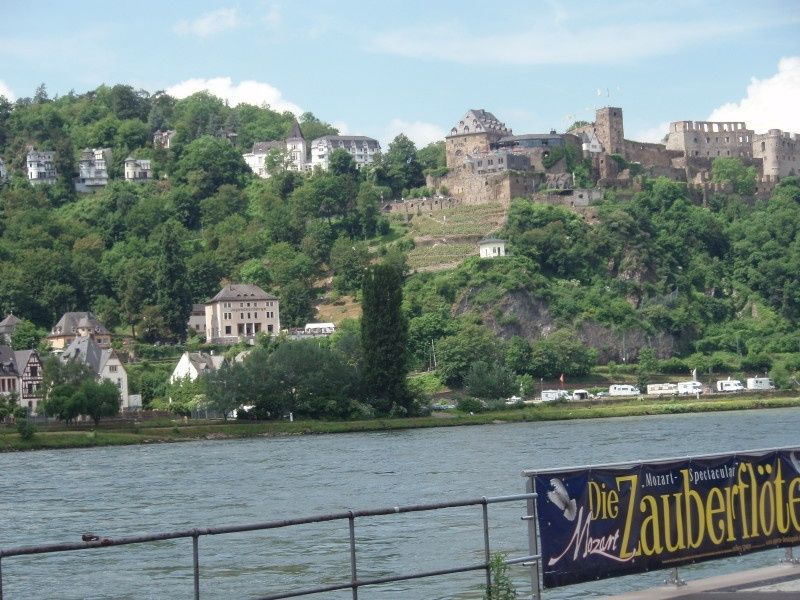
column 487, row 163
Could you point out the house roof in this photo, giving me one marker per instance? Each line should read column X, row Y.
column 205, row 363
column 296, row 132
column 85, row 350
column 491, row 241
column 240, row 292
column 478, row 120
column 71, row 321
column 22, row 357
column 348, row 138
column 8, row 362
column 264, row 147
column 198, row 309
column 8, row 324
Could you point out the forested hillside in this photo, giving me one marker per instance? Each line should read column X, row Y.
column 139, row 255
column 657, row 278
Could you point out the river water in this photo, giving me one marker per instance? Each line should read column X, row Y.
column 55, row 496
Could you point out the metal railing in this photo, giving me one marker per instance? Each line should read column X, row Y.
column 353, row 583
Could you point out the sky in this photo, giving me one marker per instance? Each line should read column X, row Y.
column 416, row 66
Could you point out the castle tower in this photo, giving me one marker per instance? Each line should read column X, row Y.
column 297, row 148
column 780, row 152
column 608, row 126
column 474, row 134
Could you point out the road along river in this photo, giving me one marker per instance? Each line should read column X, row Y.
column 55, row 496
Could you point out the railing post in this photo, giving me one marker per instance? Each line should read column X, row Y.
column 353, row 571
column 533, row 540
column 196, row 564
column 486, row 550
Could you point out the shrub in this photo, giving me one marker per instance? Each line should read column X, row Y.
column 673, row 365
column 501, row 587
column 470, row 405
column 756, row 362
column 26, row 429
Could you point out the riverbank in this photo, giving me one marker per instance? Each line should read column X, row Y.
column 209, row 430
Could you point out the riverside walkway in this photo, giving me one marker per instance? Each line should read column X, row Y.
column 779, row 582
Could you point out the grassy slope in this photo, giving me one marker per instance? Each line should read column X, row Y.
column 209, row 430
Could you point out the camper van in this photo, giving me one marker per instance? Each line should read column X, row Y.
column 552, row 395
column 623, row 389
column 730, row 385
column 580, row 395
column 662, row 389
column 686, row 388
column 760, row 383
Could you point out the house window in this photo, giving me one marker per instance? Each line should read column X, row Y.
column 112, row 368
column 240, row 328
column 269, row 328
column 255, row 315
column 227, row 329
column 34, row 371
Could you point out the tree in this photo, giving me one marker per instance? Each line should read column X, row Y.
column 402, row 166
column 733, row 171
column 384, row 332
column 173, row 298
column 224, row 388
column 26, row 335
column 432, row 158
column 208, row 163
column 647, row 365
column 98, row 399
column 489, row 381
column 561, row 353
column 349, row 259
column 455, row 353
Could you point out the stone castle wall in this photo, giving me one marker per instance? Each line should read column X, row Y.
column 780, row 152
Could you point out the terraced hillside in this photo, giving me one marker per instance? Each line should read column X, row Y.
column 444, row 238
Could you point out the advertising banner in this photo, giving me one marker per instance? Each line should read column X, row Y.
column 607, row 521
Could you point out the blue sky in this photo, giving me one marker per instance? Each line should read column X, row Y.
column 416, row 66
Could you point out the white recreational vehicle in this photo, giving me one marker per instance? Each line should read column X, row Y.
column 686, row 388
column 623, row 389
column 760, row 383
column 730, row 385
column 552, row 395
column 662, row 389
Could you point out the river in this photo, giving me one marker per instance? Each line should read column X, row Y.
column 55, row 496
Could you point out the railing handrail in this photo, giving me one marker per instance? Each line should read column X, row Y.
column 350, row 515
column 277, row 524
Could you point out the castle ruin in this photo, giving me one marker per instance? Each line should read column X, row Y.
column 487, row 163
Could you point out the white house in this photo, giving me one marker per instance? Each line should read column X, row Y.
column 257, row 158
column 492, row 248
column 362, row 149
column 138, row 169
column 194, row 364
column 104, row 363
column 3, row 172
column 240, row 312
column 197, row 319
column 93, row 169
column 294, row 149
column 41, row 167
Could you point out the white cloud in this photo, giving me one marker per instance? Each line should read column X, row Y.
column 770, row 103
column 344, row 128
column 652, row 134
column 419, row 132
column 6, row 91
column 245, row 92
column 210, row 23
column 553, row 43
